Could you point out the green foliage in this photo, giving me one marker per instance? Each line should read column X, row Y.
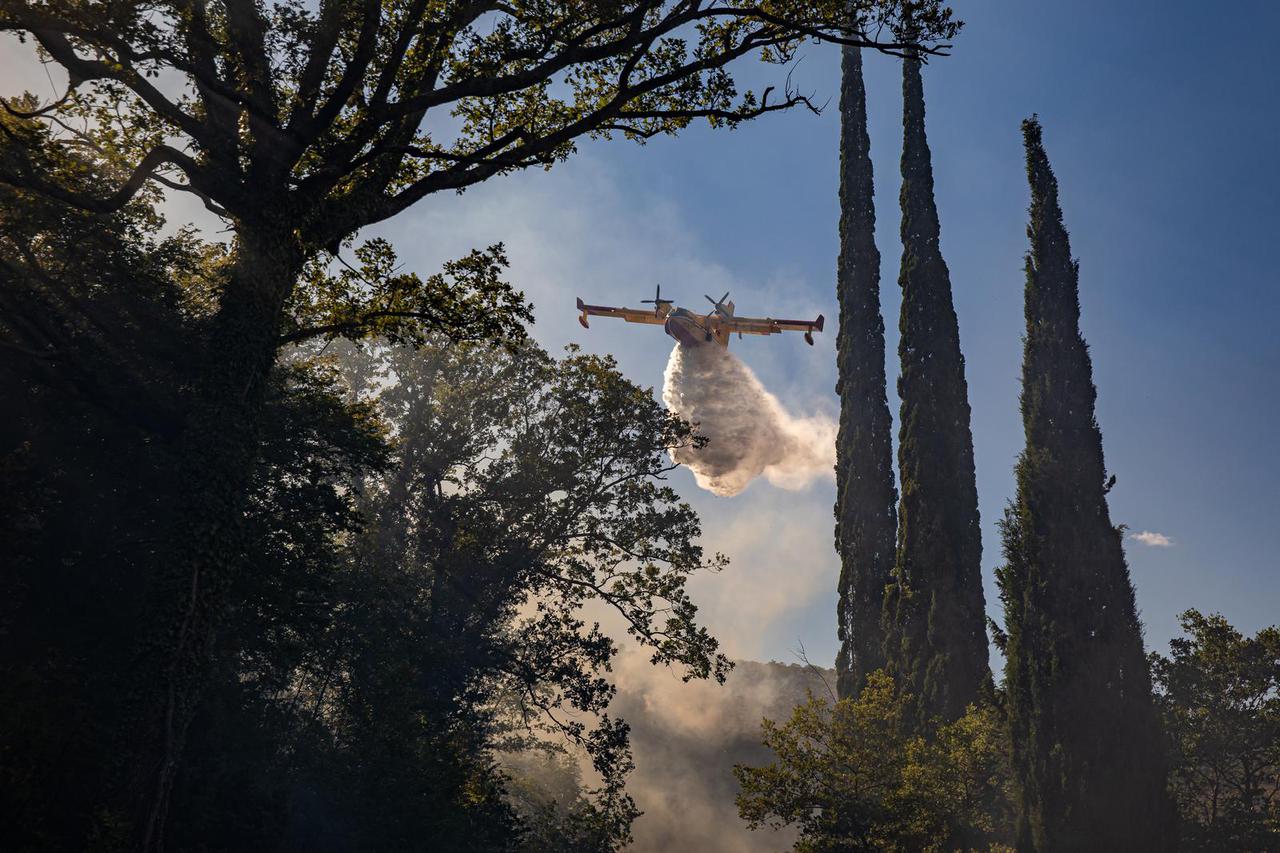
column 866, row 516
column 388, row 670
column 467, row 301
column 1087, row 750
column 934, row 609
column 853, row 775
column 1219, row 694
column 573, row 455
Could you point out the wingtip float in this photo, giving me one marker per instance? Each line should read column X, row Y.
column 691, row 329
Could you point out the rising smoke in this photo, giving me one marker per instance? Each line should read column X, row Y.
column 688, row 736
column 750, row 432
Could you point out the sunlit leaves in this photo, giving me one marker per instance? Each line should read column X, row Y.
column 852, row 775
column 469, row 300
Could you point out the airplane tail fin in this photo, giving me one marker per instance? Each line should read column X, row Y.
column 817, row 327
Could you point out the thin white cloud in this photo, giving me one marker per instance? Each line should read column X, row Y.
column 1154, row 540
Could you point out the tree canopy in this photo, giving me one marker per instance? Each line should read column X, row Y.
column 1218, row 692
column 346, row 113
column 854, row 774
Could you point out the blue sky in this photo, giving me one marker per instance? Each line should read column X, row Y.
column 1163, row 126
column 1163, row 135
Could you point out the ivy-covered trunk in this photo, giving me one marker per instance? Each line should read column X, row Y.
column 217, row 451
column 866, row 517
column 938, row 645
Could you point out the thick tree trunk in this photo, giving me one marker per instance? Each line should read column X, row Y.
column 217, row 452
column 866, row 515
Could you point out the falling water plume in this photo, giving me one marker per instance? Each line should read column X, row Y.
column 749, row 431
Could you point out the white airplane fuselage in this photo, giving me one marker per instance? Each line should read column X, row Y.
column 693, row 330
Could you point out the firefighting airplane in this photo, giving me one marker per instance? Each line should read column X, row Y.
column 693, row 330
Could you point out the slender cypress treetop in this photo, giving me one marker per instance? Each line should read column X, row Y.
column 1088, row 759
column 937, row 645
column 866, row 517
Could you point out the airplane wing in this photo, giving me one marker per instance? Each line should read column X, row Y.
column 770, row 326
column 631, row 315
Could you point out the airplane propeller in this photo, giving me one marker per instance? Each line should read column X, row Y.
column 657, row 301
column 720, row 306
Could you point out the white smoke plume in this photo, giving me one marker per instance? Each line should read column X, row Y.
column 750, row 432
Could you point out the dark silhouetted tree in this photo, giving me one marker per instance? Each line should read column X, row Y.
column 411, row 628
column 937, row 644
column 1088, row 754
column 92, row 367
column 866, row 515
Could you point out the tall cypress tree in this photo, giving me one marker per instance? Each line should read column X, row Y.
column 937, row 645
column 866, row 517
column 1088, row 763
